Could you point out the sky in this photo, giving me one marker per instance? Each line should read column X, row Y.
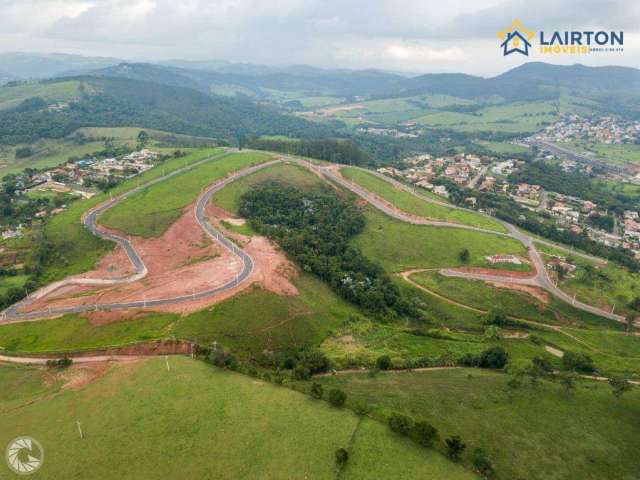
column 399, row 35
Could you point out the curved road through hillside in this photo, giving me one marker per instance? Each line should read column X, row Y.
column 12, row 315
column 540, row 279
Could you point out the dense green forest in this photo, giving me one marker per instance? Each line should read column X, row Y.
column 314, row 229
column 110, row 102
column 337, row 151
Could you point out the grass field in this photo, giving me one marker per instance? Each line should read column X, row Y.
column 7, row 282
column 151, row 211
column 530, row 433
column 200, row 422
column 11, row 96
column 401, row 246
column 611, row 153
column 229, row 197
column 412, row 204
column 511, row 117
column 482, row 296
column 282, row 323
column 607, row 286
column 77, row 249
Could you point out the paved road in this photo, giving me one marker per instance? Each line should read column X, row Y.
column 12, row 315
column 541, row 277
column 573, row 155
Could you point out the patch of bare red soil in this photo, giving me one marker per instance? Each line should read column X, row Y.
column 183, row 261
column 535, row 292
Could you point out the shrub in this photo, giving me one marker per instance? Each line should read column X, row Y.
column 619, row 386
column 317, row 391
column 383, row 362
column 469, row 360
column 400, row 423
column 464, row 255
column 424, row 433
column 342, row 456
column 481, row 462
column 221, row 358
column 60, row 363
column 301, row 372
column 360, row 407
column 579, row 362
column 314, row 360
column 455, row 447
column 494, row 357
column 337, row 397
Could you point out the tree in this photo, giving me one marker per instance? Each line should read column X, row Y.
column 337, row 397
column 342, row 456
column 629, row 321
column 424, row 433
column 143, row 139
column 400, row 423
column 455, row 447
column 543, row 364
column 481, row 462
column 494, row 357
column 579, row 362
column 383, row 362
column 568, row 382
column 619, row 386
column 492, row 332
column 464, row 255
column 301, row 372
column 317, row 391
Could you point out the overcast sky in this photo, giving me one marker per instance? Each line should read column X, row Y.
column 402, row 35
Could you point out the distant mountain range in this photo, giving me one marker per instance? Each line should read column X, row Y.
column 532, row 80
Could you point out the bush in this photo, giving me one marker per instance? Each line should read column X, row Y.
column 494, row 357
column 464, row 255
column 619, row 386
column 400, row 423
column 342, row 456
column 314, row 360
column 424, row 433
column 60, row 363
column 337, row 397
column 469, row 360
column 455, row 447
column 317, row 391
column 481, row 462
column 383, row 362
column 221, row 358
column 301, row 372
column 579, row 362
column 360, row 407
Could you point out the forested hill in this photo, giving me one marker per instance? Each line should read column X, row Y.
column 102, row 101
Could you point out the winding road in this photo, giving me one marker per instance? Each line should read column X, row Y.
column 540, row 279
column 12, row 315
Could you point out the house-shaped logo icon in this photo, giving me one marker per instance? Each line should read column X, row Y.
column 515, row 39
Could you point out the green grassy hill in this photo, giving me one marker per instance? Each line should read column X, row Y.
column 198, row 421
column 530, row 433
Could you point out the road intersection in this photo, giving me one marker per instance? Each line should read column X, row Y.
column 540, row 279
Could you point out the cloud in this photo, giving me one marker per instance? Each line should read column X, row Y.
column 417, row 35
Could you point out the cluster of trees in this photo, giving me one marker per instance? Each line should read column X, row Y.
column 508, row 210
column 332, row 150
column 426, row 435
column 493, row 357
column 120, row 101
column 553, row 178
column 315, row 229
